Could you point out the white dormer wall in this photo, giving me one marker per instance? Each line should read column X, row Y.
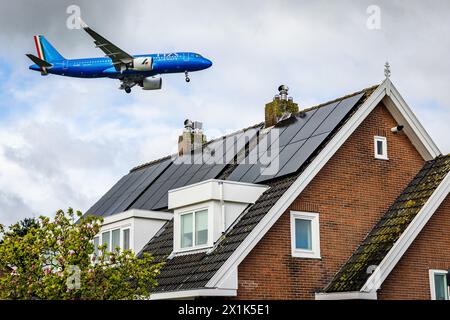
column 224, row 200
column 143, row 225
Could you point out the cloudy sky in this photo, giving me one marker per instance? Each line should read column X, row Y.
column 64, row 142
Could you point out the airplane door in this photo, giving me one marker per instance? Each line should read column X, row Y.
column 186, row 57
column 65, row 64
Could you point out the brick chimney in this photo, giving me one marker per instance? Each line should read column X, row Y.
column 192, row 137
column 280, row 108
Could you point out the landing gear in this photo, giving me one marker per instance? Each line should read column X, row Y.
column 127, row 84
column 186, row 74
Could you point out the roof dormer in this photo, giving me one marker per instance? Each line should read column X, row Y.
column 203, row 211
column 130, row 229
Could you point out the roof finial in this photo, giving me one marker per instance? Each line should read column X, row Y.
column 387, row 69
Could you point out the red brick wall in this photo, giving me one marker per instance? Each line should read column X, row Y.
column 431, row 250
column 351, row 193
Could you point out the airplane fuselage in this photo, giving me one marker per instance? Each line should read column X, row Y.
column 163, row 63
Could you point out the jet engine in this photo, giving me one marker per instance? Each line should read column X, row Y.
column 142, row 64
column 152, row 83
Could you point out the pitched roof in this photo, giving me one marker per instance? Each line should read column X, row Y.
column 381, row 239
column 146, row 187
column 192, row 271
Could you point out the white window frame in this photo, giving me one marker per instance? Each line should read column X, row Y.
column 383, row 140
column 314, row 253
column 432, row 283
column 111, row 249
column 101, row 239
column 129, row 240
column 178, row 230
column 96, row 250
column 110, row 230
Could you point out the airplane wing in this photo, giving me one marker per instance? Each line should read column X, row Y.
column 119, row 57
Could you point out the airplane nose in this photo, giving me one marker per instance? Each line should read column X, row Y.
column 208, row 63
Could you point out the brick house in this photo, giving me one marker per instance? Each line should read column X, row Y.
column 337, row 201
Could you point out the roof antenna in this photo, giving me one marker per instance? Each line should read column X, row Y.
column 387, row 70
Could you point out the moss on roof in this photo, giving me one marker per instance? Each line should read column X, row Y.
column 380, row 240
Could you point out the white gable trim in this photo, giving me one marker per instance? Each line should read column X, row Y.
column 383, row 90
column 403, row 114
column 406, row 239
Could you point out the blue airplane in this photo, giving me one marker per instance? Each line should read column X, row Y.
column 142, row 70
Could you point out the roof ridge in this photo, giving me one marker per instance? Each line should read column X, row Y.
column 149, row 163
column 365, row 90
column 146, row 164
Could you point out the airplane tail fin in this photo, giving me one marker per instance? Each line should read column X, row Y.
column 46, row 51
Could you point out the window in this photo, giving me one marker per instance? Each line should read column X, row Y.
column 380, row 147
column 105, row 239
column 438, row 285
column 186, row 230
column 96, row 244
column 201, row 227
column 115, row 239
column 305, row 238
column 303, row 234
column 194, row 229
column 119, row 238
column 126, row 239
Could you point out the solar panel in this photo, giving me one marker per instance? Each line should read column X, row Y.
column 302, row 154
column 338, row 114
column 129, row 178
column 190, row 172
column 307, row 139
column 278, row 137
column 294, row 127
column 297, row 138
column 160, row 190
column 136, row 179
column 279, row 161
column 215, row 156
column 147, row 178
column 196, row 173
column 247, row 163
column 94, row 209
column 127, row 190
column 315, row 121
column 149, row 192
column 207, row 172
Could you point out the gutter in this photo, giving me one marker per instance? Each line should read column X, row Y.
column 192, row 294
column 350, row 295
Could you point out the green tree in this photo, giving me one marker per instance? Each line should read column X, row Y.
column 54, row 259
column 22, row 227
